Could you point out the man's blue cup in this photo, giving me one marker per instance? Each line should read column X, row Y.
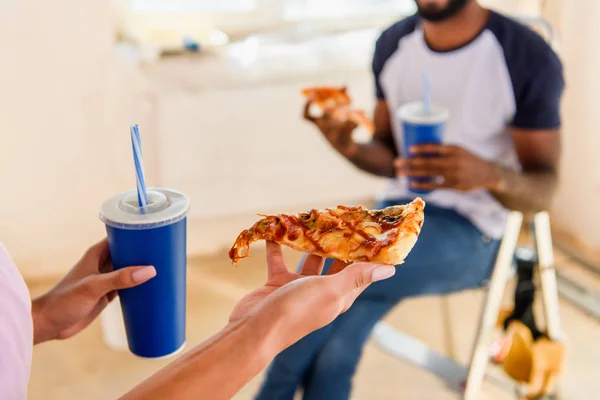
column 421, row 127
column 154, row 312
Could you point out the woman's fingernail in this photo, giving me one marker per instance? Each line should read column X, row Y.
column 143, row 274
column 384, row 272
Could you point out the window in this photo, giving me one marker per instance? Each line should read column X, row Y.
column 208, row 6
column 318, row 9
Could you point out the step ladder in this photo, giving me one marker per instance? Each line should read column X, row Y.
column 469, row 378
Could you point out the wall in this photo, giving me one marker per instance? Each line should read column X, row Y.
column 575, row 212
column 65, row 105
column 68, row 97
column 576, row 209
column 237, row 142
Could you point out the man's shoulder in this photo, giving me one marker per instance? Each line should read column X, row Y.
column 536, row 73
column 392, row 35
column 520, row 43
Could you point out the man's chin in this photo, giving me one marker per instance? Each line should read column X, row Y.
column 433, row 13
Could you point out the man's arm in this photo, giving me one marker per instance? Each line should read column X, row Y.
column 377, row 156
column 536, row 135
column 533, row 188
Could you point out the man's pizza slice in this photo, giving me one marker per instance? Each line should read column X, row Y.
column 335, row 102
column 345, row 233
column 327, row 97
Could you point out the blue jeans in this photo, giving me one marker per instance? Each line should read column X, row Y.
column 451, row 255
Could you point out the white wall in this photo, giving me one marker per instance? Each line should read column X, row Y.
column 65, row 104
column 528, row 7
column 576, row 208
column 64, row 115
column 234, row 139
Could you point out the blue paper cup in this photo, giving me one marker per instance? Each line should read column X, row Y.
column 420, row 127
column 154, row 312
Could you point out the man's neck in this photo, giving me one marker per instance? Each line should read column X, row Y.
column 457, row 30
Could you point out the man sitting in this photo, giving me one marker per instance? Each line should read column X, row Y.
column 502, row 84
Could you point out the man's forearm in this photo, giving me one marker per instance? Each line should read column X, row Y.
column 530, row 191
column 373, row 157
column 218, row 368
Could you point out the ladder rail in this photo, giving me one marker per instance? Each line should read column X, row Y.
column 547, row 273
column 493, row 301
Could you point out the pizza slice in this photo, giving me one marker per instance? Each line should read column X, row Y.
column 345, row 233
column 336, row 101
column 327, row 97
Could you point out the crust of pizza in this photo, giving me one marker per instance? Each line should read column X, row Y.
column 350, row 234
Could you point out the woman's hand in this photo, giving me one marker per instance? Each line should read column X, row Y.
column 82, row 294
column 265, row 322
column 298, row 304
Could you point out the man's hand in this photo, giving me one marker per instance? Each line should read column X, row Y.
column 302, row 303
column 375, row 157
column 82, row 294
column 338, row 133
column 450, row 167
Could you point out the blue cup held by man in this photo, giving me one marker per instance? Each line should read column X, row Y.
column 421, row 127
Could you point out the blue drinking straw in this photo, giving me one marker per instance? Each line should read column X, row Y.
column 426, row 93
column 136, row 143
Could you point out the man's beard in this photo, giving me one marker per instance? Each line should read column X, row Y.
column 435, row 14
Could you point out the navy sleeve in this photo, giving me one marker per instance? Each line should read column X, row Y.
column 538, row 104
column 379, row 60
column 535, row 71
column 386, row 46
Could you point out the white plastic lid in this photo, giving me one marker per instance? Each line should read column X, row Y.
column 414, row 113
column 164, row 207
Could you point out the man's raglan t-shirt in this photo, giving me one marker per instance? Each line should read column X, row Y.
column 507, row 76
